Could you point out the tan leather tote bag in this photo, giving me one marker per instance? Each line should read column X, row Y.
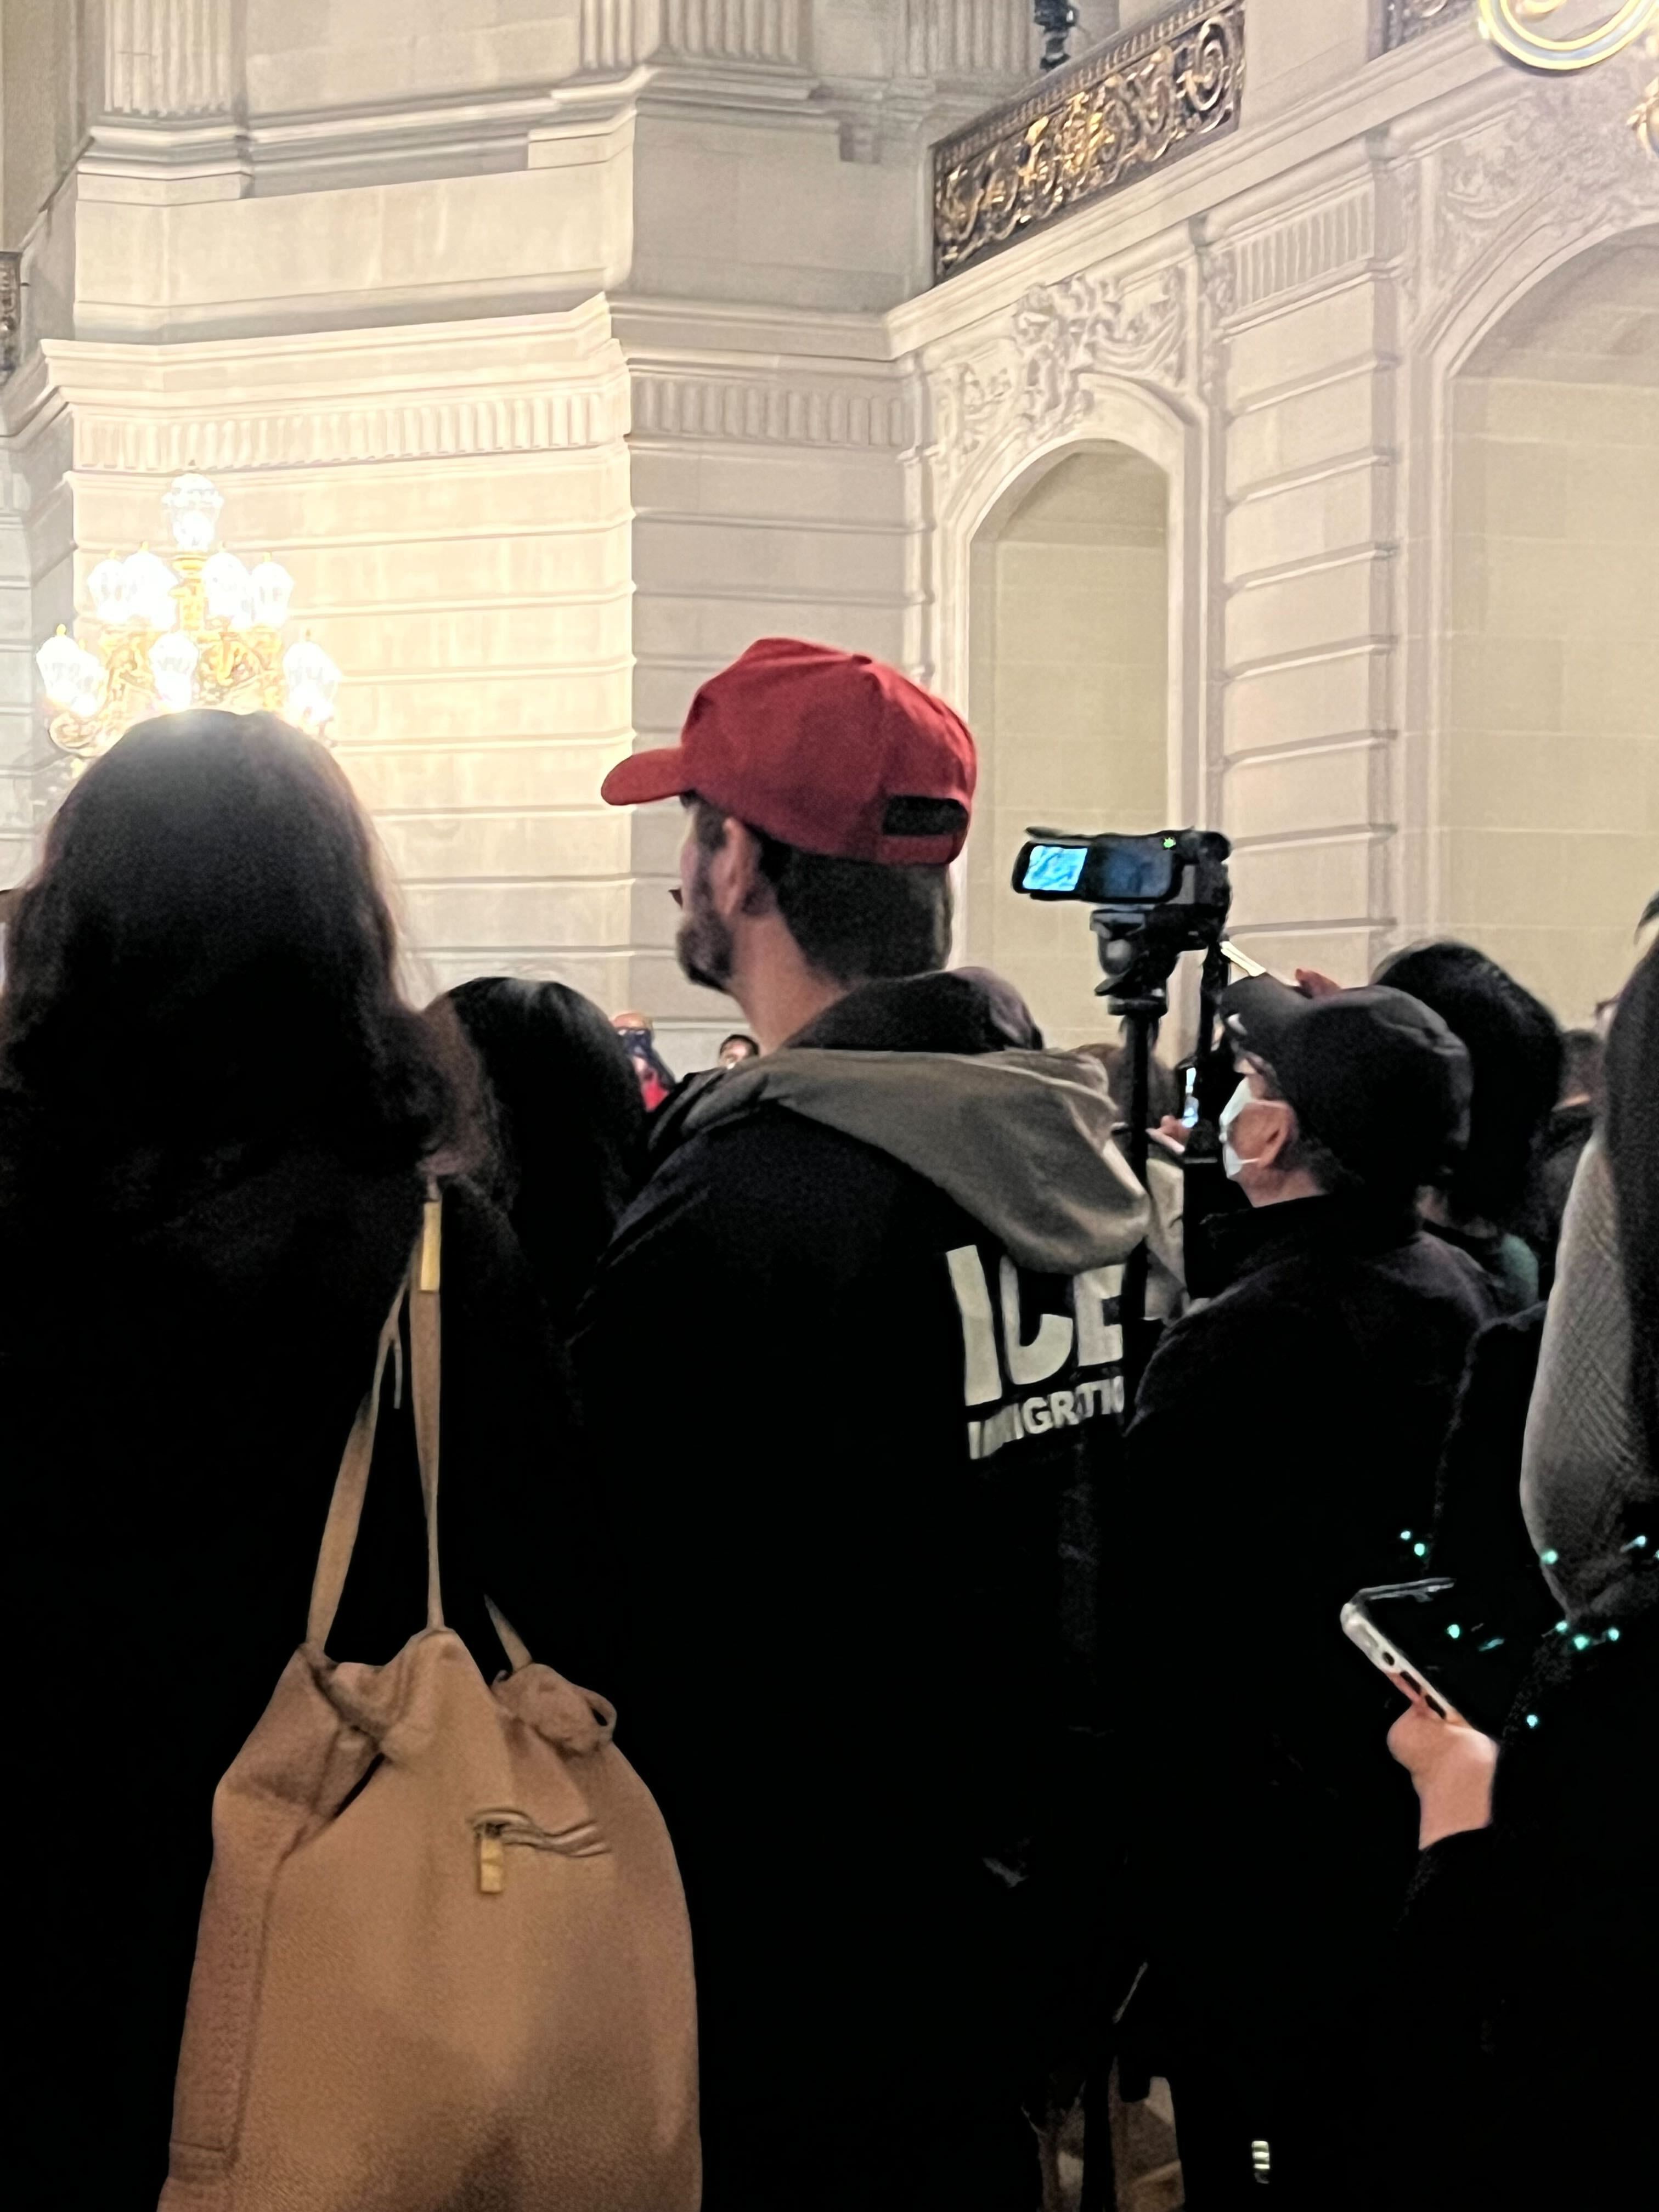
column 443, row 1964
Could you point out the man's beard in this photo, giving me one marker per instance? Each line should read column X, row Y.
column 703, row 945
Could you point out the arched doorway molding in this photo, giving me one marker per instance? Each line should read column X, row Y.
column 1549, row 237
column 1003, row 473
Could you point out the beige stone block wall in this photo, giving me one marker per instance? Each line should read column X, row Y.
column 1069, row 635
column 18, row 745
column 770, row 498
column 311, row 53
column 1550, row 793
column 1307, row 620
column 453, row 502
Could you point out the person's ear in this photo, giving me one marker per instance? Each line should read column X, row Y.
column 1277, row 1134
column 746, row 888
column 728, row 866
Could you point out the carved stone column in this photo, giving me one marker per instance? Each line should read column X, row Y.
column 166, row 57
column 968, row 40
column 617, row 34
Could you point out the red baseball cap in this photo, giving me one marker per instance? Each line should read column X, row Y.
column 830, row 751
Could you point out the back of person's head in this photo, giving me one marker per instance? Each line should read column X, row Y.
column 856, row 921
column 566, row 1124
column 1376, row 1086
column 202, row 968
column 1513, row 1045
column 853, row 786
column 1630, row 1127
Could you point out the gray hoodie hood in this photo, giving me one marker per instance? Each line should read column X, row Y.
column 1021, row 1140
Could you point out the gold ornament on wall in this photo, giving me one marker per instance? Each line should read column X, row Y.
column 203, row 630
column 1514, row 29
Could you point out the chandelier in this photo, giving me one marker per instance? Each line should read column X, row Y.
column 203, row 630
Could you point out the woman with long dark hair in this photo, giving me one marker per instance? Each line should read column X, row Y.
column 218, row 1117
column 1492, row 1203
column 567, row 1124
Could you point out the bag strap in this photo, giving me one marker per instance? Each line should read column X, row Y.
column 425, row 1347
column 420, row 1287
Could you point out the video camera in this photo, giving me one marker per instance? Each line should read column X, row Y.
column 1154, row 897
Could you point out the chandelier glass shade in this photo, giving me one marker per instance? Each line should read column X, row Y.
column 202, row 630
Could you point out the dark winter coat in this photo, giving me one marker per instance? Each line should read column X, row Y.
column 1525, row 1962
column 873, row 1290
column 1282, row 1455
column 1480, row 1536
column 176, row 1395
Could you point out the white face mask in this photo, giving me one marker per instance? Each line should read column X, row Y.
column 1242, row 1097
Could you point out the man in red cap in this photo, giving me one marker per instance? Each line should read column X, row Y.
column 861, row 1669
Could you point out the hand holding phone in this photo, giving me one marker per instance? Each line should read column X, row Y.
column 1451, row 1766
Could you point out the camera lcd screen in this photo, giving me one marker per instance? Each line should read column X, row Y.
column 1054, row 867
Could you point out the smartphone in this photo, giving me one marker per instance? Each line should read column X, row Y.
column 1463, row 1668
column 1242, row 960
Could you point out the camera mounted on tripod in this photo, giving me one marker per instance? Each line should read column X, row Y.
column 1154, row 897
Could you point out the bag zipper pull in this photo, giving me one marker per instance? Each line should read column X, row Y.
column 505, row 1824
column 492, row 1859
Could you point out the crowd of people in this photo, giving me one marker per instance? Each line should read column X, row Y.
column 989, row 1681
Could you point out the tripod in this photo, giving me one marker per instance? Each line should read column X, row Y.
column 1137, row 961
column 1138, row 967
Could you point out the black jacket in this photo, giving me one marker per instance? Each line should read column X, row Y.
column 1282, row 1454
column 1525, row 1962
column 177, row 1396
column 863, row 1574
column 1480, row 1536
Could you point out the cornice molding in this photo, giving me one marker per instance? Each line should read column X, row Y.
column 412, row 392
column 675, row 403
column 1296, row 255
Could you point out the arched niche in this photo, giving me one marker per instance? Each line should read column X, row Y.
column 1069, row 683
column 1547, row 806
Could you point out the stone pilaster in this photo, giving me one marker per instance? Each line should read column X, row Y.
column 170, row 58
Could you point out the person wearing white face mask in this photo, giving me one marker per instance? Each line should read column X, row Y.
column 1275, row 1843
column 1252, row 1091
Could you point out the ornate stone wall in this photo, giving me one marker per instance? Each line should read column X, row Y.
column 1283, row 320
column 542, row 344
column 560, row 351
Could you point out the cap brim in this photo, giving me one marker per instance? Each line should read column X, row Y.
column 642, row 777
column 1259, row 1012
